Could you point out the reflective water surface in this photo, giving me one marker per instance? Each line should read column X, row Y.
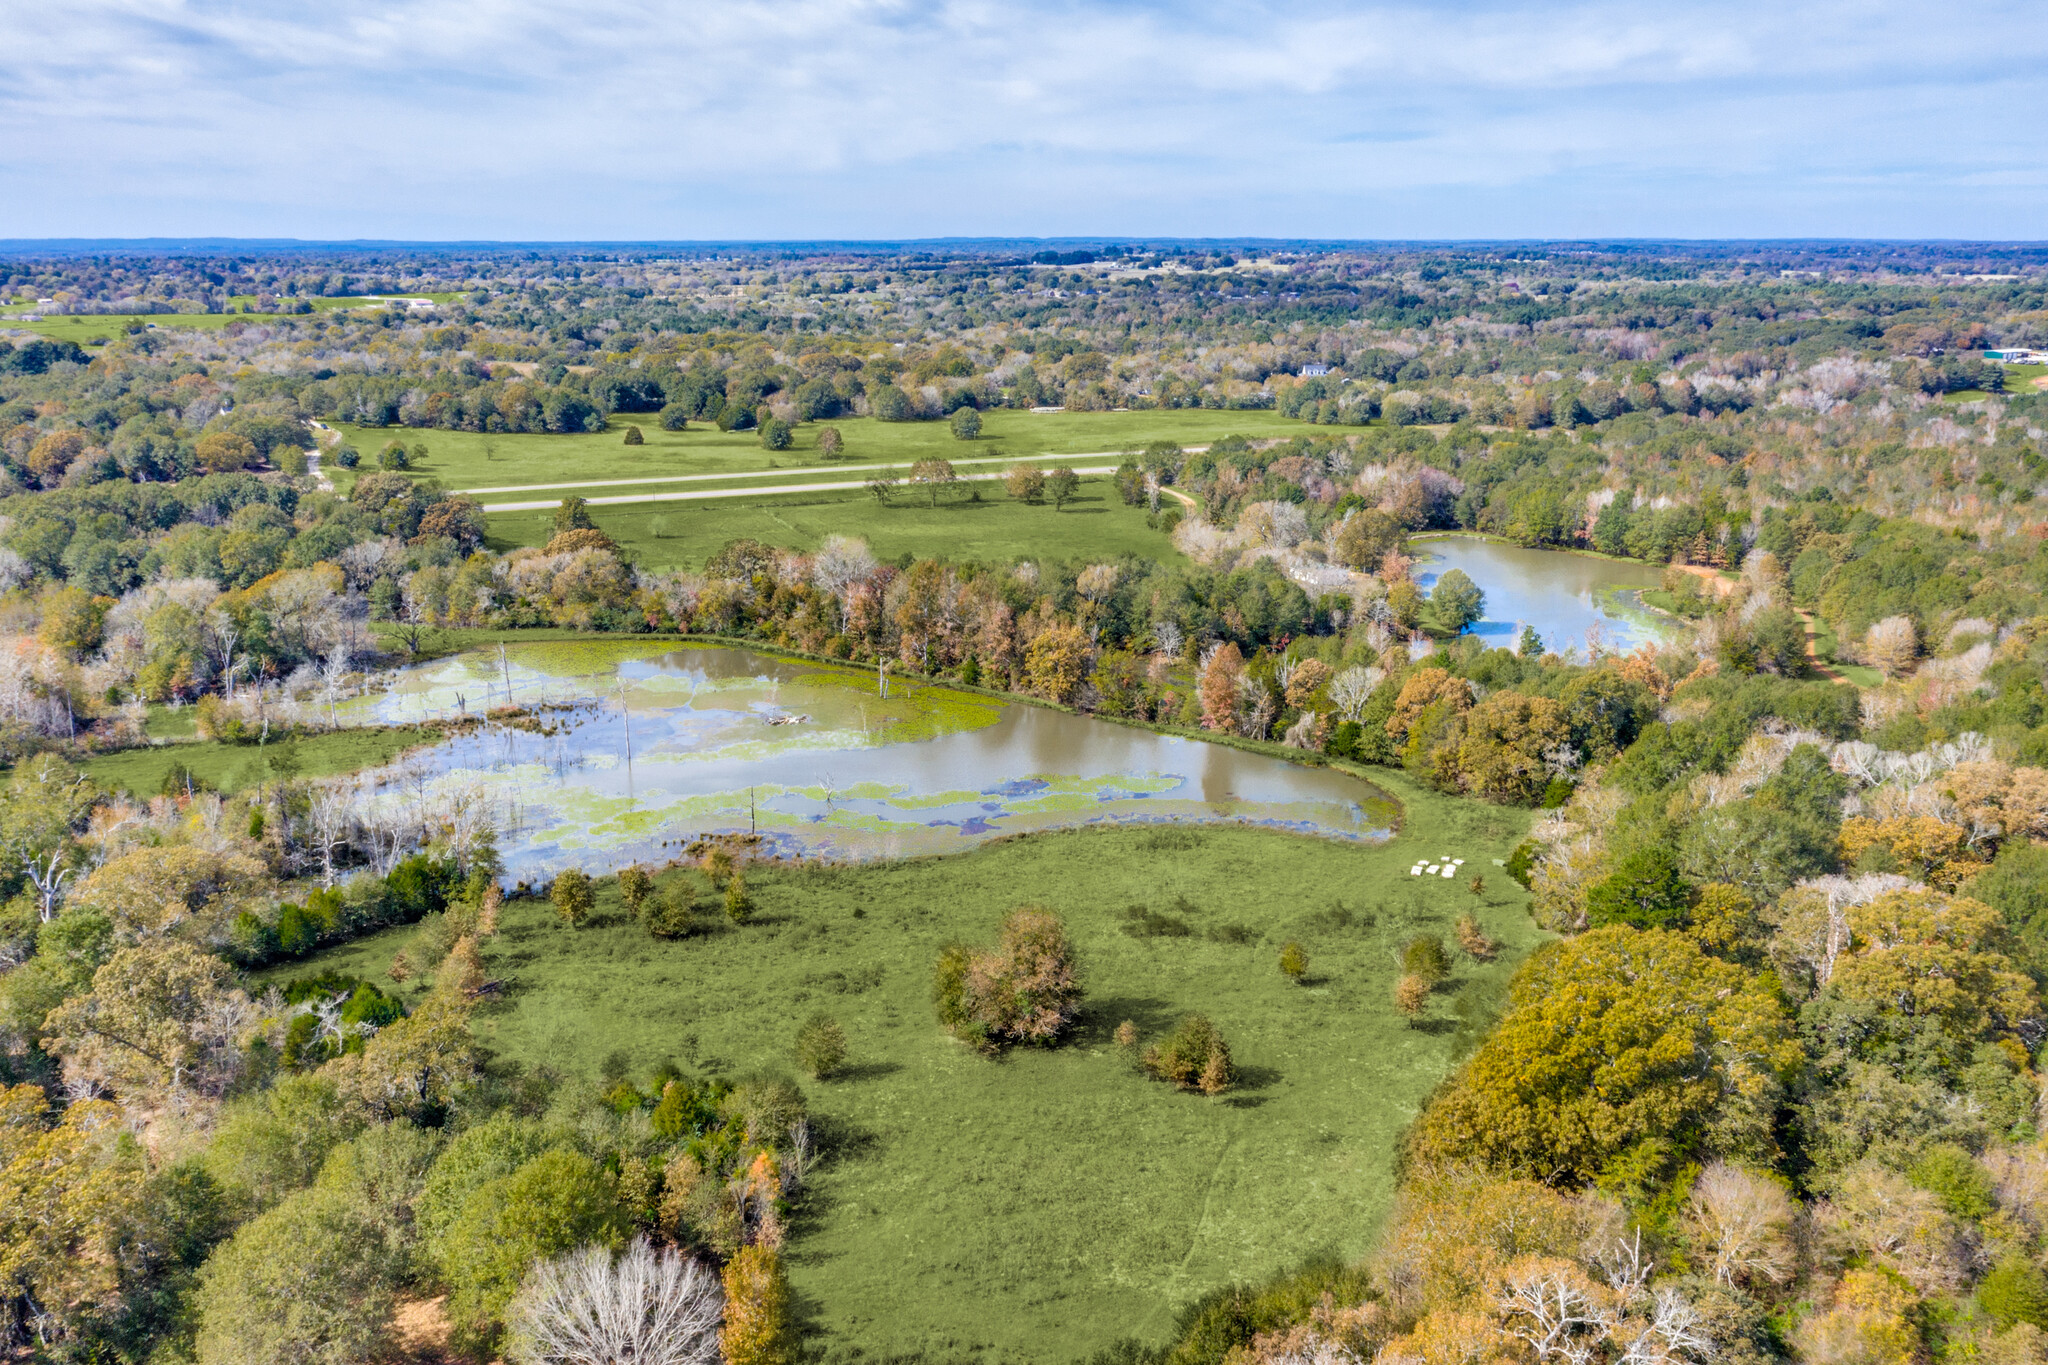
column 1564, row 596
column 656, row 744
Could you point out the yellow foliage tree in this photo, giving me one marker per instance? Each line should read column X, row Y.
column 757, row 1324
column 67, row 1194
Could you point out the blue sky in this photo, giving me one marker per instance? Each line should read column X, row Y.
column 621, row 119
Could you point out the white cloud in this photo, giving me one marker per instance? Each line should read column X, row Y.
column 627, row 118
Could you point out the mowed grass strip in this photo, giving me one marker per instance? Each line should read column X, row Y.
column 997, row 529
column 1038, row 1206
column 466, row 459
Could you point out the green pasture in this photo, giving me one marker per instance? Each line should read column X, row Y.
column 2019, row 383
column 997, row 529
column 1042, row 1205
column 83, row 328
column 230, row 768
column 464, row 459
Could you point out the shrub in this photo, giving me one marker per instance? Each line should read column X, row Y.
column 821, row 1045
column 1127, row 1034
column 348, row 457
column 739, row 906
column 573, row 896
column 1425, row 957
column 1193, row 1057
column 674, row 912
column 1473, row 939
column 830, row 442
column 1294, row 962
column 1411, row 993
column 1023, row 991
column 635, row 886
column 675, row 417
column 776, row 434
column 634, row 438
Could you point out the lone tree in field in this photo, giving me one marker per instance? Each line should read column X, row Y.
column 573, row 896
column 1193, row 1057
column 1425, row 957
column 1061, row 485
column 821, row 1045
column 1411, row 993
column 1025, row 990
column 966, row 424
column 1294, row 962
column 830, row 442
column 634, row 438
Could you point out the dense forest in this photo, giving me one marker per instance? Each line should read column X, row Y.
column 1769, row 1091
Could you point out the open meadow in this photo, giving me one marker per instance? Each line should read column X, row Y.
column 995, row 529
column 464, row 460
column 1035, row 1206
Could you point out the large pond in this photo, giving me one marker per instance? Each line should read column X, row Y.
column 1573, row 601
column 654, row 745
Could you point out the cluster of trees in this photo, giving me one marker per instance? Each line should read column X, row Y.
column 315, row 1152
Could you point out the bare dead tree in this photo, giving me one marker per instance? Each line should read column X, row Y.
column 648, row 1307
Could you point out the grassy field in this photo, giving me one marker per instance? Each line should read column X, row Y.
column 231, row 767
column 461, row 459
column 2020, row 381
column 84, row 327
column 1038, row 1207
column 997, row 529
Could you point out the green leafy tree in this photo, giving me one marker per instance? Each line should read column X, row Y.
column 635, row 886
column 573, row 515
column 966, row 424
column 1644, row 891
column 1294, row 962
column 934, row 476
column 739, row 906
column 554, row 1203
column 821, row 1045
column 573, row 895
column 1061, row 485
column 1426, row 958
column 634, row 438
column 308, row 1281
column 777, row 434
column 1611, row 1039
column 1456, row 602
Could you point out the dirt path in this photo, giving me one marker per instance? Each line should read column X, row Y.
column 1724, row 586
column 784, row 473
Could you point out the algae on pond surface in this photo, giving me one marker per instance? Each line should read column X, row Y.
column 648, row 746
